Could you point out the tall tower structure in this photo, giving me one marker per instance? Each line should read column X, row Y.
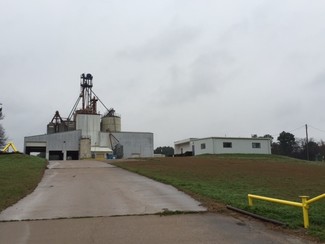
column 89, row 102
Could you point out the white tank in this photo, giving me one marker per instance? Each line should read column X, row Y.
column 110, row 124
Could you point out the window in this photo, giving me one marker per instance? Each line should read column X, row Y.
column 227, row 144
column 203, row 146
column 256, row 145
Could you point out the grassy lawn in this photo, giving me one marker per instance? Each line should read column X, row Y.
column 227, row 179
column 19, row 175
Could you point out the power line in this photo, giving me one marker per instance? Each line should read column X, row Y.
column 303, row 126
column 300, row 127
column 316, row 128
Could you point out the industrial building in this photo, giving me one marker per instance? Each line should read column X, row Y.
column 87, row 134
column 222, row 145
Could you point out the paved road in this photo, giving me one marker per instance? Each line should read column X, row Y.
column 96, row 200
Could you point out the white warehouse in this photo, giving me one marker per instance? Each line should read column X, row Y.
column 222, row 145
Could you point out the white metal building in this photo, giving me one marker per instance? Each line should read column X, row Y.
column 67, row 145
column 223, row 145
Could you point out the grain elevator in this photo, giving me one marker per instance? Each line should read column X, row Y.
column 85, row 133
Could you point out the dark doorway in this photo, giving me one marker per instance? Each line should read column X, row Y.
column 72, row 155
column 55, row 155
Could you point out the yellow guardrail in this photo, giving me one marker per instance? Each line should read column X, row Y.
column 304, row 204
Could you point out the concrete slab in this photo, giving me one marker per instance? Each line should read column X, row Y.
column 72, row 189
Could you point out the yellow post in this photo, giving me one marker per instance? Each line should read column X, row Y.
column 305, row 206
column 250, row 200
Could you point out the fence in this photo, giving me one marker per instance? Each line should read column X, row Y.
column 304, row 203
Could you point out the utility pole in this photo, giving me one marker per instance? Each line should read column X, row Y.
column 307, row 148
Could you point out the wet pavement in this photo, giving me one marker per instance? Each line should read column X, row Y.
column 94, row 202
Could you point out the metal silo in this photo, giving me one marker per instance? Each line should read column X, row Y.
column 111, row 122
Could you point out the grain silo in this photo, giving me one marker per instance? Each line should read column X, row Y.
column 111, row 122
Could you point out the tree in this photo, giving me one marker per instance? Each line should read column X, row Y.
column 268, row 136
column 313, row 150
column 287, row 143
column 275, row 148
column 3, row 137
column 322, row 148
column 289, row 146
column 167, row 151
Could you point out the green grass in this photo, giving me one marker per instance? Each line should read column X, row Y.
column 227, row 179
column 19, row 175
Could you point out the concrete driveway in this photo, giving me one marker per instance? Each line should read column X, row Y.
column 94, row 202
column 91, row 189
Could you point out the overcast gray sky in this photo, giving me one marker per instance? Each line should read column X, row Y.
column 177, row 68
